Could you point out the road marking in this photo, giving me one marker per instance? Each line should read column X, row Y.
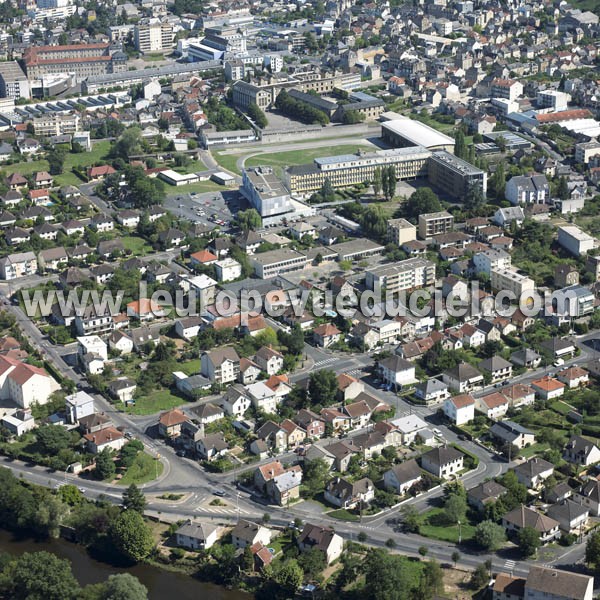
column 221, row 509
column 510, row 564
column 327, row 361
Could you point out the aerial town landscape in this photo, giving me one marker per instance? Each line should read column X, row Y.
column 299, row 299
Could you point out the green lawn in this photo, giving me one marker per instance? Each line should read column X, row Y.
column 432, row 524
column 145, row 468
column 157, row 401
column 533, row 450
column 227, row 161
column 199, row 188
column 561, row 408
column 26, row 168
column 192, row 367
column 343, row 515
column 137, row 245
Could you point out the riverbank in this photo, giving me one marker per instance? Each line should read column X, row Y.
column 161, row 583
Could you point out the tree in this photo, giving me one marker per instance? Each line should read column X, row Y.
column 423, row 551
column 592, row 550
column 460, row 149
column 134, row 499
column 422, row 201
column 248, row 219
column 124, row 586
column 323, row 387
column 128, row 144
column 362, row 536
column 312, row 562
column 562, row 189
column 131, row 536
column 388, row 576
column 480, row 577
column 455, row 557
column 388, row 181
column 37, row 576
column 52, row 439
column 289, row 576
column 105, row 465
column 247, row 560
column 257, row 115
column 474, row 197
column 377, row 181
column 455, row 508
column 56, row 161
column 327, row 192
column 410, row 518
column 528, row 541
column 431, row 582
column 316, row 473
column 490, row 535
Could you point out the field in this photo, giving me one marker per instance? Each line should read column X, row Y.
column 228, row 159
column 198, row 188
column 145, row 468
column 137, row 245
column 433, row 524
column 157, row 401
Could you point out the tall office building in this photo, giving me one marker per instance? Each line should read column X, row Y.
column 153, row 35
column 13, row 82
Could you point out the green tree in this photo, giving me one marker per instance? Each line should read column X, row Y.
column 105, row 465
column 423, row 200
column 592, row 550
column 480, row 577
column 312, row 562
column 56, row 161
column 388, row 577
column 128, row 144
column 377, row 181
column 316, row 473
column 455, row 557
column 327, row 192
column 38, row 576
column 562, row 189
column 460, row 149
column 131, row 536
column 134, row 499
column 410, row 518
column 490, row 535
column 247, row 560
column 431, row 581
column 323, row 387
column 248, row 219
column 289, row 576
column 528, row 541
column 52, row 439
column 455, row 508
column 124, row 586
column 257, row 115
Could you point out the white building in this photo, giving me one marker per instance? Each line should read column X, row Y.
column 576, row 241
column 79, row 405
column 460, row 409
column 228, row 269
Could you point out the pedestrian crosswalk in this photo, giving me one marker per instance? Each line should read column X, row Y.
column 325, row 362
column 226, row 510
column 510, row 565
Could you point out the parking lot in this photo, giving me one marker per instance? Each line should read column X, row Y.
column 209, row 208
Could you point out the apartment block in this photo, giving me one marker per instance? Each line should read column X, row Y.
column 402, row 276
column 56, row 124
column 153, row 35
column 431, row 224
column 575, row 240
column 400, row 231
column 513, row 281
column 13, row 82
column 453, row 175
column 272, row 263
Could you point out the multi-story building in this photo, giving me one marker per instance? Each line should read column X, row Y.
column 527, row 190
column 350, row 169
column 272, row 263
column 265, row 192
column 13, row 82
column 486, row 261
column 506, row 88
column 83, row 60
column 431, row 224
column 553, row 99
column 585, row 150
column 454, row 175
column 52, row 124
column 400, row 231
column 513, row 281
column 18, row 265
column 153, row 35
column 405, row 132
column 576, row 241
column 404, row 275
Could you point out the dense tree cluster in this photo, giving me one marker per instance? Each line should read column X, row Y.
column 257, row 115
column 302, row 111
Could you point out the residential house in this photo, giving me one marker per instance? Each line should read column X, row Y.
column 463, row 378
column 509, row 432
column 409, row 427
column 212, row 446
column 573, row 377
column 359, row 413
column 18, row 422
column 120, row 342
column 349, row 387
column 284, row 488
column 107, row 438
column 188, row 327
column 342, row 452
column 295, row 434
column 265, row 473
column 397, row 372
column 402, row 477
column 249, row 371
column 444, row 462
column 312, row 423
column 589, row 496
column 571, row 516
column 346, row 494
column 144, row 309
column 52, row 259
column 533, row 472
column 194, row 535
column 263, row 397
column 246, row 533
column 79, row 405
column 208, row 413
column 273, row 435
column 18, row 265
column 485, row 493
column 269, row 360
column 236, row 401
column 548, row 388
column 122, row 389
column 498, row 368
column 170, row 422
column 322, row 538
column 519, row 394
column 522, row 516
column 544, row 584
column 460, row 409
column 432, row 391
column 326, row 335
column 581, row 451
column 494, row 406
column 559, row 347
column 526, row 357
column 221, row 365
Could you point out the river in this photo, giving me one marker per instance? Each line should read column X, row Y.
column 160, row 583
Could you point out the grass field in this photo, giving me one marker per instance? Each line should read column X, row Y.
column 433, row 524
column 227, row 161
column 137, row 245
column 192, row 367
column 157, row 401
column 343, row 515
column 145, row 468
column 199, row 188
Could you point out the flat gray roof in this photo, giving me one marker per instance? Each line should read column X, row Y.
column 417, row 132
